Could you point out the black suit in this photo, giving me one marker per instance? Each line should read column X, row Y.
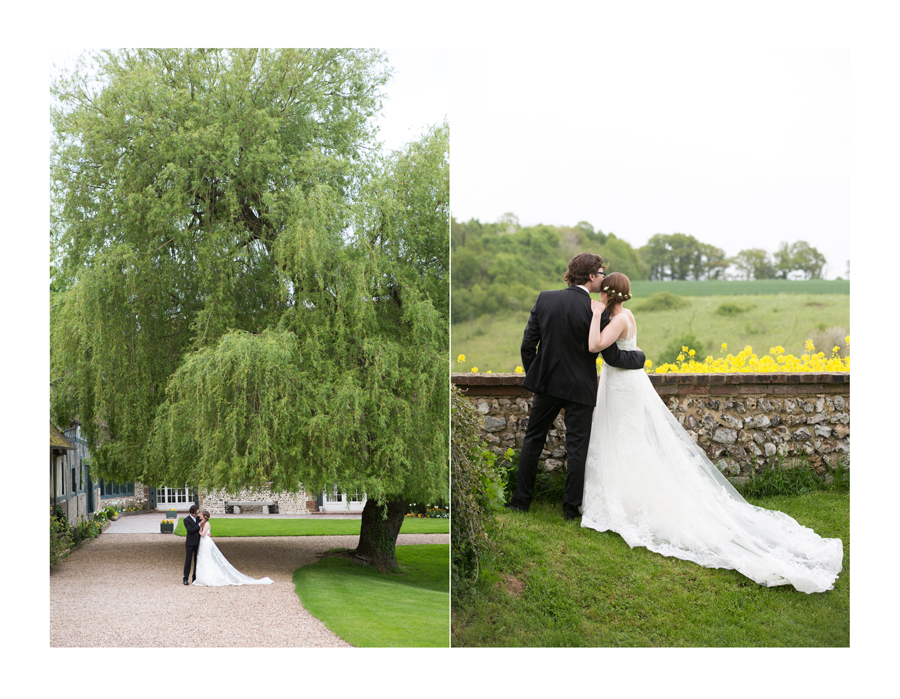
column 191, row 544
column 562, row 375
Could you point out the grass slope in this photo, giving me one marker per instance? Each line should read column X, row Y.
column 761, row 321
column 754, row 287
column 369, row 609
column 561, row 585
column 254, row 526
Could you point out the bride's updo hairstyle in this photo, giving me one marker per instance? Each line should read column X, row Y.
column 206, row 514
column 617, row 288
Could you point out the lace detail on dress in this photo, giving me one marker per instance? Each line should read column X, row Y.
column 647, row 480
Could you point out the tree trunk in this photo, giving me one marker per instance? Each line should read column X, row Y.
column 378, row 535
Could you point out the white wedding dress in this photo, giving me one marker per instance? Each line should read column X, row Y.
column 214, row 570
column 647, row 480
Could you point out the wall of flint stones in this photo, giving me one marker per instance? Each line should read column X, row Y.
column 285, row 502
column 743, row 422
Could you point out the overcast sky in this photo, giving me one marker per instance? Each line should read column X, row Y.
column 738, row 148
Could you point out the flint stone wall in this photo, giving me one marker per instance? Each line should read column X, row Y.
column 286, row 503
column 744, row 422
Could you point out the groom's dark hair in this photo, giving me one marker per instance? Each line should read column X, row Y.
column 581, row 267
column 193, row 509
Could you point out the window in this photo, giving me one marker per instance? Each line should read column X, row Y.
column 115, row 490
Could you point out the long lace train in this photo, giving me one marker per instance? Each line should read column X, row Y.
column 647, row 480
column 214, row 570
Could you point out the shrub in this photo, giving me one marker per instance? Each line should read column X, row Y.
column 549, row 486
column 826, row 339
column 731, row 309
column 60, row 539
column 85, row 529
column 795, row 478
column 476, row 495
column 663, row 301
column 676, row 347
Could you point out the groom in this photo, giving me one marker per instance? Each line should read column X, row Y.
column 563, row 376
column 191, row 542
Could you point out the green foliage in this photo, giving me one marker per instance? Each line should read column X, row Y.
column 755, row 263
column 670, row 354
column 255, row 295
column 681, row 256
column 795, row 478
column 549, row 486
column 731, row 309
column 64, row 536
column 799, row 259
column 86, row 529
column 417, row 510
column 477, row 492
column 61, row 541
column 501, row 267
column 662, row 301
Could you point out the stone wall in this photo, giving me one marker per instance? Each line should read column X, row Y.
column 140, row 499
column 286, row 502
column 742, row 421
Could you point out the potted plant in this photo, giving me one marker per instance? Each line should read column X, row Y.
column 167, row 526
column 171, row 514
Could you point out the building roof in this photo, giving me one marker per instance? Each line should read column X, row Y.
column 58, row 440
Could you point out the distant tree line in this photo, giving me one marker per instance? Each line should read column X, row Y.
column 499, row 267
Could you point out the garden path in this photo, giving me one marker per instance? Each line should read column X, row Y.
column 127, row 591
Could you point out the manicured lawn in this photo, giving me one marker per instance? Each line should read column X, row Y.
column 311, row 527
column 382, row 610
column 557, row 584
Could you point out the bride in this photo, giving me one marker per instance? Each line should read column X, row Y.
column 647, row 480
column 213, row 569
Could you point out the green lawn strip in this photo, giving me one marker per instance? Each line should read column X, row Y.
column 311, row 527
column 382, row 610
column 561, row 585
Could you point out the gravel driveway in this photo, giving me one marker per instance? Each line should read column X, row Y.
column 125, row 590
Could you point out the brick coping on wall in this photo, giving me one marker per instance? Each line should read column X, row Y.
column 787, row 383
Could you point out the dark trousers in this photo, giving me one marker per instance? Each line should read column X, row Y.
column 190, row 554
column 544, row 410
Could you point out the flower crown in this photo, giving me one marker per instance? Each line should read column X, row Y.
column 624, row 297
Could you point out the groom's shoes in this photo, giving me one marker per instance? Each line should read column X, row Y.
column 185, row 581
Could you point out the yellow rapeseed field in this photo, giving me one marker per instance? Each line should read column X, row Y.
column 746, row 361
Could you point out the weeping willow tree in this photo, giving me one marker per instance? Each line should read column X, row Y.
column 251, row 294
